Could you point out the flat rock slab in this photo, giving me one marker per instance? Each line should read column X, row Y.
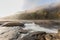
column 9, row 33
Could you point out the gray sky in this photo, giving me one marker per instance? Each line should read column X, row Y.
column 9, row 7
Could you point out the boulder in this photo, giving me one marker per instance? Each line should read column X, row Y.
column 13, row 24
column 41, row 36
column 35, row 36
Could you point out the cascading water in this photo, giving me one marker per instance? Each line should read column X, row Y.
column 34, row 27
column 14, row 32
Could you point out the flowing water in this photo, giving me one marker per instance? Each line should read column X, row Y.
column 34, row 27
column 7, row 33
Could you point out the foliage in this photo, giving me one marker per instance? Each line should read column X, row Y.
column 42, row 14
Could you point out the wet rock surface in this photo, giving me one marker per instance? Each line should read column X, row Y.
column 41, row 36
column 12, row 33
column 19, row 33
column 9, row 33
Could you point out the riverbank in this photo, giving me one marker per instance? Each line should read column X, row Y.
column 32, row 32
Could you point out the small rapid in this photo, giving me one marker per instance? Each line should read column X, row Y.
column 17, row 32
column 34, row 28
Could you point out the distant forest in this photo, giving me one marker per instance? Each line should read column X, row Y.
column 48, row 13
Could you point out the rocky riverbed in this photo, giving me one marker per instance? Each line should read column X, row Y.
column 30, row 31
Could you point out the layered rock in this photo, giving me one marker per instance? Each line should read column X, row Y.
column 19, row 33
column 41, row 36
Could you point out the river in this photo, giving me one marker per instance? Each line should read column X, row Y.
column 13, row 33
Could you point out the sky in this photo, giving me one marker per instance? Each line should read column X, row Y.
column 10, row 7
